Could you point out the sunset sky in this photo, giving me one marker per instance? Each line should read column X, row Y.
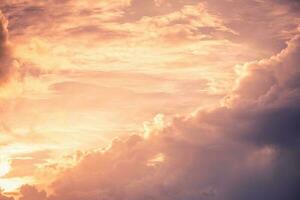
column 149, row 99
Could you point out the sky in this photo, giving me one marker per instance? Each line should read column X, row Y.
column 149, row 99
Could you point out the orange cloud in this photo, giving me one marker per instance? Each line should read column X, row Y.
column 214, row 154
column 7, row 65
column 93, row 70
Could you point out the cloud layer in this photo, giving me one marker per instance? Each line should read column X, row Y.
column 5, row 54
column 246, row 150
column 246, row 147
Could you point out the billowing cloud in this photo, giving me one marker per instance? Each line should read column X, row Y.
column 246, row 150
column 112, row 59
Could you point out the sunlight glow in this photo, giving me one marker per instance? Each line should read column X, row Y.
column 13, row 184
column 4, row 167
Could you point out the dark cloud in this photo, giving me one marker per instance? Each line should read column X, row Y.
column 293, row 4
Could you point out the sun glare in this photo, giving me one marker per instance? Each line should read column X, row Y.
column 13, row 184
column 4, row 167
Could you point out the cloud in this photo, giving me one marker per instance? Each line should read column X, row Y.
column 2, row 197
column 247, row 149
column 6, row 62
column 270, row 81
column 31, row 193
column 115, row 20
column 293, row 4
column 186, row 24
column 29, row 17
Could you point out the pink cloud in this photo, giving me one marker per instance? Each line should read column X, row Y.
column 246, row 148
column 7, row 65
column 243, row 151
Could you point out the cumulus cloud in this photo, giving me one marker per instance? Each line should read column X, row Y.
column 31, row 193
column 247, row 149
